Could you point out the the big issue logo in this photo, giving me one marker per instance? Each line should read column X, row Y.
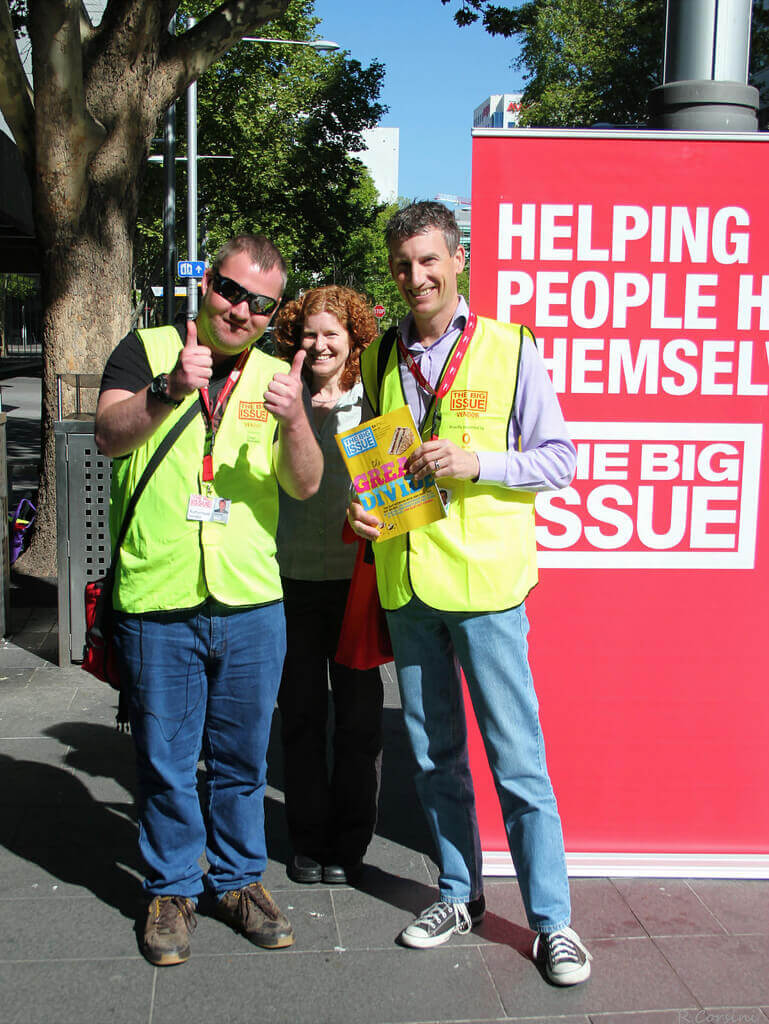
column 657, row 301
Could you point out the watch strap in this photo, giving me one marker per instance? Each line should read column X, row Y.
column 159, row 390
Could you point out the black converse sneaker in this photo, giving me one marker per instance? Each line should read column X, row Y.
column 567, row 961
column 440, row 921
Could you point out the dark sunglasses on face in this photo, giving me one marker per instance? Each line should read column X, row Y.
column 235, row 293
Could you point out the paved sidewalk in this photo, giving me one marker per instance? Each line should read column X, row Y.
column 666, row 951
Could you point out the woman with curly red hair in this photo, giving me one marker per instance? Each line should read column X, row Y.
column 331, row 816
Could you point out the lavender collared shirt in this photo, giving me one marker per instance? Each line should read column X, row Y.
column 547, row 458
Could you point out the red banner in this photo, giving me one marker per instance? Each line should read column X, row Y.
column 641, row 262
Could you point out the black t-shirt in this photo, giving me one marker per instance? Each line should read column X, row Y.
column 128, row 369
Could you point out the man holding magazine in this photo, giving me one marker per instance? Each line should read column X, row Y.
column 454, row 591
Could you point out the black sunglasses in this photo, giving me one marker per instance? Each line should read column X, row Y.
column 236, row 293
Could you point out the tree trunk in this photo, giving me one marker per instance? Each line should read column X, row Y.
column 86, row 297
column 96, row 107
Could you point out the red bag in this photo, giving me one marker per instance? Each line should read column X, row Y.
column 99, row 653
column 364, row 640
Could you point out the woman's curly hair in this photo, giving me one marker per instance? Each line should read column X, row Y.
column 351, row 310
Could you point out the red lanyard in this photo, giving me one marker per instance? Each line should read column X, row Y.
column 451, row 371
column 214, row 416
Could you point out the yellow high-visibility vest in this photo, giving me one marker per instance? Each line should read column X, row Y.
column 482, row 557
column 168, row 562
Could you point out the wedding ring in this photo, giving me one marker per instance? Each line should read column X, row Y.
column 437, row 465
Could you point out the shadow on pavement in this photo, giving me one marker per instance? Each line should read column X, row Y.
column 28, row 625
column 75, row 838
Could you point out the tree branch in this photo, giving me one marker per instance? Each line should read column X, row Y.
column 57, row 67
column 186, row 56
column 16, row 99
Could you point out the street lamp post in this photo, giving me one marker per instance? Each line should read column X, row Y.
column 169, row 205
column 192, row 190
column 321, row 46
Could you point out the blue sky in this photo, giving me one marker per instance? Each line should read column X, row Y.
column 436, row 75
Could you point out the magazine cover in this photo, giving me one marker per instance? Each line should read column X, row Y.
column 376, row 454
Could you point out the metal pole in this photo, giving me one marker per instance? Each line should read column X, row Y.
column 169, row 206
column 192, row 190
column 707, row 47
column 707, row 39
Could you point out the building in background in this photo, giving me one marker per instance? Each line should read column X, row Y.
column 381, row 159
column 460, row 207
column 501, row 110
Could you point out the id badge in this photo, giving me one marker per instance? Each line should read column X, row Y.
column 205, row 508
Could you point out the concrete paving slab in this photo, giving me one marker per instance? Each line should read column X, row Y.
column 24, row 880
column 374, row 923
column 14, row 656
column 26, row 711
column 721, row 970
column 628, row 974
column 330, row 988
column 403, row 861
column 653, row 1017
column 34, row 772
column 741, row 905
column 73, row 929
column 13, row 678
column 668, row 906
column 73, row 850
column 76, row 992
column 598, row 910
column 407, row 895
column 550, row 1019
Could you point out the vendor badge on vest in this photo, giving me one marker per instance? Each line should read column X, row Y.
column 205, row 508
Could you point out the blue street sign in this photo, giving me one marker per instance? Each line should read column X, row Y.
column 190, row 268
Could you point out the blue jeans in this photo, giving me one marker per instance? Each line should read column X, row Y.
column 204, row 679
column 430, row 647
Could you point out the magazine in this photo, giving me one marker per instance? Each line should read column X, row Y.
column 376, row 453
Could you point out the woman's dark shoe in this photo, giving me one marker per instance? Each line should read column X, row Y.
column 304, row 869
column 338, row 874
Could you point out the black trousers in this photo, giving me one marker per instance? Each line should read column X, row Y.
column 331, row 802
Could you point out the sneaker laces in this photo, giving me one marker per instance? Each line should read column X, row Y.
column 169, row 908
column 439, row 912
column 564, row 948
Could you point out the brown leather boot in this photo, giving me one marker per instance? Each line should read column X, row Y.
column 170, row 920
column 254, row 913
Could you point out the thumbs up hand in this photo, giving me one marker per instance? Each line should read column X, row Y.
column 193, row 367
column 283, row 397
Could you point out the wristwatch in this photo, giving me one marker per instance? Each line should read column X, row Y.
column 159, row 390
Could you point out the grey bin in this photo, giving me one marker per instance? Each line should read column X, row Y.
column 82, row 521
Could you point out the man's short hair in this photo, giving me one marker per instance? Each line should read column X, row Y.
column 260, row 251
column 418, row 219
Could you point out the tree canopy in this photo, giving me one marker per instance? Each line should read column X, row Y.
column 83, row 134
column 288, row 121
column 588, row 61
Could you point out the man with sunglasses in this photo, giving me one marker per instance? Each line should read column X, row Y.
column 199, row 625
